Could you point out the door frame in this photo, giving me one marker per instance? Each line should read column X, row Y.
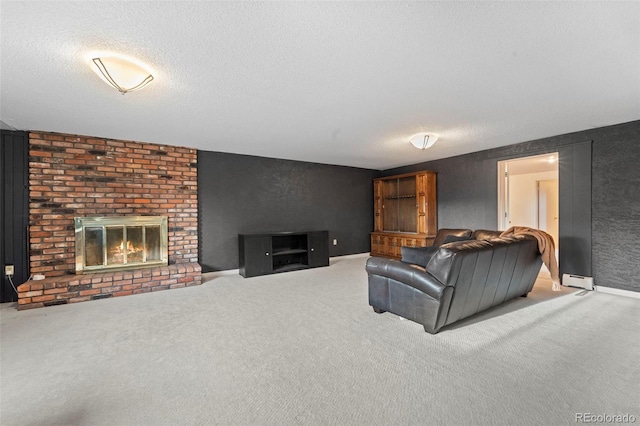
column 504, row 185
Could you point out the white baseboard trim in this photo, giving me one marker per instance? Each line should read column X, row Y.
column 348, row 256
column 206, row 276
column 618, row 292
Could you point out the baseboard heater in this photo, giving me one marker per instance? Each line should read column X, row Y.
column 578, row 281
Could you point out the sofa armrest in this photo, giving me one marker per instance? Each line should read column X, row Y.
column 406, row 273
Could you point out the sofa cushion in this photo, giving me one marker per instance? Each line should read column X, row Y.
column 455, row 238
column 442, row 234
column 484, row 234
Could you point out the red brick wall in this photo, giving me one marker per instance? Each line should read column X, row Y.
column 73, row 176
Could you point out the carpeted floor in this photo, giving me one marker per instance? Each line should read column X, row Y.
column 305, row 348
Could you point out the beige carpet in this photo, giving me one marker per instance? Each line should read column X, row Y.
column 304, row 348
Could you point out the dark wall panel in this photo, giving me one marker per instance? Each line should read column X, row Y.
column 616, row 210
column 246, row 194
column 14, row 210
column 604, row 214
column 574, row 163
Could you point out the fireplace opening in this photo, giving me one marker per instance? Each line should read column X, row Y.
column 120, row 242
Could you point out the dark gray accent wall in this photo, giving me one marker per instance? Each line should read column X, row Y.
column 465, row 186
column 616, row 208
column 14, row 210
column 241, row 194
column 467, row 197
column 574, row 164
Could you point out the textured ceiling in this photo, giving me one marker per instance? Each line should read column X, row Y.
column 331, row 82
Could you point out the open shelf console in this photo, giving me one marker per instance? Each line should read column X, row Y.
column 262, row 254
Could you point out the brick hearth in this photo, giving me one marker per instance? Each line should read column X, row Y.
column 73, row 176
column 80, row 288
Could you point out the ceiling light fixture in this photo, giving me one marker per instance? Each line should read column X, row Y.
column 124, row 75
column 423, row 140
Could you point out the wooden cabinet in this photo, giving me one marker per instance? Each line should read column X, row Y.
column 405, row 213
column 261, row 254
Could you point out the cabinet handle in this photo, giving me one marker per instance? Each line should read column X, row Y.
column 266, row 254
column 312, row 249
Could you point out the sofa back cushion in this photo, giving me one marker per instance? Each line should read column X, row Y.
column 485, row 273
column 442, row 234
column 454, row 239
column 445, row 262
column 484, row 234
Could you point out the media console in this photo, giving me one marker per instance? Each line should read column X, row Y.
column 270, row 253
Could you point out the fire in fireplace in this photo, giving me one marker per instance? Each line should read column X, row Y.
column 120, row 242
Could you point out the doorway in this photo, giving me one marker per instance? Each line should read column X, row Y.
column 528, row 193
column 548, row 207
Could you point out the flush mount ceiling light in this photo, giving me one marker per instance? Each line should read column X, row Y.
column 122, row 74
column 423, row 140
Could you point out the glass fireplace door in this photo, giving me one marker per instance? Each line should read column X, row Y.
column 120, row 242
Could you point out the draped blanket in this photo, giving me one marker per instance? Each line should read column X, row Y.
column 546, row 247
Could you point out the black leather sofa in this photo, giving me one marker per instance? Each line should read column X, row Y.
column 460, row 278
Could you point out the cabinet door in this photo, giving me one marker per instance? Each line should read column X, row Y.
column 318, row 246
column 407, row 206
column 255, row 255
column 410, row 242
column 376, row 249
column 377, row 206
column 378, row 245
column 421, row 190
column 390, row 205
column 427, row 209
column 393, row 246
column 417, row 242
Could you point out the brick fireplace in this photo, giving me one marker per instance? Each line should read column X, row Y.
column 76, row 176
